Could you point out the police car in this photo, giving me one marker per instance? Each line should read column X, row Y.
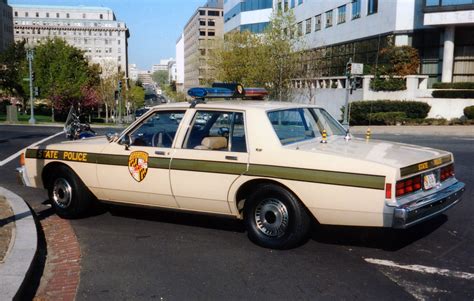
column 278, row 166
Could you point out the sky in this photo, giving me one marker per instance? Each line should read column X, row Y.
column 154, row 25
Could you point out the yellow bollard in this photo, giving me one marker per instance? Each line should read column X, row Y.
column 367, row 134
column 324, row 137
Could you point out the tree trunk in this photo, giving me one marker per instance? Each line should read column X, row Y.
column 106, row 113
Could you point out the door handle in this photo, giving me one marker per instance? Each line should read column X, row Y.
column 231, row 158
column 160, row 153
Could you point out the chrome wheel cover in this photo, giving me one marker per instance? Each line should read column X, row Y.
column 271, row 217
column 62, row 193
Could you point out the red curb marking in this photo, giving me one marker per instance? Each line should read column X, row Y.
column 61, row 276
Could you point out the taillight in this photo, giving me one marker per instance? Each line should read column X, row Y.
column 388, row 190
column 408, row 186
column 446, row 172
column 22, row 159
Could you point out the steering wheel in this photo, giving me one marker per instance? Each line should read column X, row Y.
column 157, row 140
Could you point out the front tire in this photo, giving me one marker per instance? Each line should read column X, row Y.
column 68, row 195
column 275, row 218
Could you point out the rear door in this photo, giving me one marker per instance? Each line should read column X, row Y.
column 213, row 155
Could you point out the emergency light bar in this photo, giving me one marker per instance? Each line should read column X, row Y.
column 255, row 93
column 210, row 92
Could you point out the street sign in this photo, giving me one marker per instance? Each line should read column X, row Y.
column 357, row 69
column 26, row 79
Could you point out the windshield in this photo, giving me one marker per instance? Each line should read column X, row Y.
column 300, row 124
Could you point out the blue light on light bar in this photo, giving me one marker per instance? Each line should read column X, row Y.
column 210, row 92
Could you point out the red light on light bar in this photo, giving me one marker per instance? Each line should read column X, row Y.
column 255, row 93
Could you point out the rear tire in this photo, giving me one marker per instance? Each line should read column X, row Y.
column 68, row 195
column 275, row 218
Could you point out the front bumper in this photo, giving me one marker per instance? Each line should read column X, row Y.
column 22, row 176
column 428, row 206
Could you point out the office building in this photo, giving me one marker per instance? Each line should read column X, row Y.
column 180, row 64
column 441, row 30
column 251, row 15
column 6, row 25
column 200, row 34
column 95, row 30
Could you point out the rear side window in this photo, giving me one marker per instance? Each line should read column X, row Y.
column 217, row 130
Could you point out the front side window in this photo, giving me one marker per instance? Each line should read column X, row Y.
column 301, row 124
column 158, row 130
column 218, row 131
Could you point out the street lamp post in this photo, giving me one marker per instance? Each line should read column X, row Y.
column 29, row 56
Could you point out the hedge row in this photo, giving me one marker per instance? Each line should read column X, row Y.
column 363, row 111
column 453, row 94
column 387, row 118
column 465, row 86
column 469, row 112
column 390, row 84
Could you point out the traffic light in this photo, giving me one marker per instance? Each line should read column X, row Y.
column 120, row 86
column 37, row 91
column 116, row 95
column 348, row 69
column 33, row 76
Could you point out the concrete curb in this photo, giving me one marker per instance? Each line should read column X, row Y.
column 438, row 130
column 23, row 249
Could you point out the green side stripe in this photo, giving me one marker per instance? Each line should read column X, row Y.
column 288, row 173
column 318, row 176
column 209, row 166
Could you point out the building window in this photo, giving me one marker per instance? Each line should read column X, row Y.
column 308, row 26
column 329, row 18
column 26, row 14
column 202, row 12
column 37, row 15
column 211, row 23
column 356, row 9
column 119, row 58
column 211, row 33
column 317, row 21
column 67, row 15
column 341, row 14
column 83, row 16
column 118, row 42
column 202, row 33
column 292, row 3
column 213, row 13
column 300, row 28
column 16, row 14
column 101, row 16
column 373, row 7
column 57, row 15
column 202, row 23
column 300, row 2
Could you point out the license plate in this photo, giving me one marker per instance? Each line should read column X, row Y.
column 429, row 181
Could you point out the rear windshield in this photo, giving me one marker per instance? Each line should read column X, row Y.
column 300, row 124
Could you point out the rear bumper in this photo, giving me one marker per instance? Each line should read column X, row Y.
column 427, row 207
column 22, row 176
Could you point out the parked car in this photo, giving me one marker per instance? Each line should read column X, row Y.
column 259, row 161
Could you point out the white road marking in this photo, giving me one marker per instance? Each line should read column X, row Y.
column 15, row 155
column 422, row 269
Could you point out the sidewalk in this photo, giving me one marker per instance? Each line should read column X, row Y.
column 433, row 130
column 21, row 248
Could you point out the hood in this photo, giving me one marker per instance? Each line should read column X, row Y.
column 98, row 140
column 378, row 151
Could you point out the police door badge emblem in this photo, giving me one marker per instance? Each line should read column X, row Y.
column 138, row 165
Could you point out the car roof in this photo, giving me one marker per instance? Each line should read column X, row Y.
column 238, row 105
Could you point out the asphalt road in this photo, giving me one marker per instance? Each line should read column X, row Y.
column 146, row 254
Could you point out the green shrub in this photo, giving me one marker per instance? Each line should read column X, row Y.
column 387, row 118
column 453, row 94
column 469, row 112
column 390, row 84
column 464, row 86
column 360, row 110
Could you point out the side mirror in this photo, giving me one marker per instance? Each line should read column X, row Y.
column 111, row 137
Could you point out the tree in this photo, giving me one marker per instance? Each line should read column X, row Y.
column 63, row 74
column 160, row 77
column 399, row 60
column 13, row 67
column 136, row 95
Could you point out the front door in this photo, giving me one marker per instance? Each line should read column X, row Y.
column 135, row 169
column 213, row 155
